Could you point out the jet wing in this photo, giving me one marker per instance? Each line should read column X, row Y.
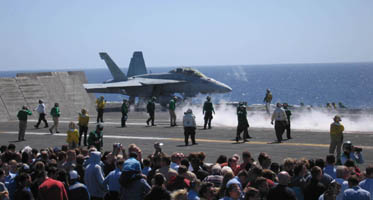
column 135, row 82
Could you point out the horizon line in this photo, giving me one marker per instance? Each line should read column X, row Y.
column 178, row 66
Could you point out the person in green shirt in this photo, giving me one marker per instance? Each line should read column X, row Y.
column 208, row 109
column 171, row 109
column 22, row 117
column 150, row 108
column 95, row 138
column 124, row 110
column 243, row 124
column 267, row 99
column 55, row 113
column 288, row 114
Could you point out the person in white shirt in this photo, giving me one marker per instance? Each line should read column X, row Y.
column 367, row 184
column 189, row 122
column 281, row 121
column 41, row 110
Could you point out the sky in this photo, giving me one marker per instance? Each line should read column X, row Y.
column 47, row 34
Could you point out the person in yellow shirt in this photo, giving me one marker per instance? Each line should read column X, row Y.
column 100, row 105
column 83, row 121
column 336, row 136
column 72, row 136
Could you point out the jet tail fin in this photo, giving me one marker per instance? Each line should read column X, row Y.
column 117, row 74
column 137, row 65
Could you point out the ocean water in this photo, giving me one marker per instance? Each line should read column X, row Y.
column 312, row 84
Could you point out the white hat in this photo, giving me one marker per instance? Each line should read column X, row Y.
column 73, row 175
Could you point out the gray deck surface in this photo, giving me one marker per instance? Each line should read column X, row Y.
column 216, row 141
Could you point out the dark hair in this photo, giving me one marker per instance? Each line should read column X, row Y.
column 52, row 170
column 251, row 192
column 119, row 162
column 262, row 156
column 21, row 180
column 25, row 157
column 320, row 163
column 64, row 147
column 258, row 181
column 204, row 188
column 353, row 180
column 146, row 162
column 185, row 162
column 369, row 170
column 275, row 167
column 330, row 159
column 349, row 163
column 315, row 171
column 3, row 148
column 159, row 179
column 11, row 146
column 128, row 177
column 62, row 176
column 132, row 154
column 243, row 173
column 221, row 159
column 182, row 169
column 256, row 170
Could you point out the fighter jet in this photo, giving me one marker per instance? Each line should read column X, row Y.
column 187, row 82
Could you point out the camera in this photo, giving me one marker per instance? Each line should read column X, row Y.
column 158, row 145
column 358, row 149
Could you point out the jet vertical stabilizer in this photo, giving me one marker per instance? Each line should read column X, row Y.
column 117, row 74
column 137, row 65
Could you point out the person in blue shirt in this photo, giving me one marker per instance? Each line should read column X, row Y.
column 330, row 168
column 193, row 191
column 351, row 152
column 77, row 190
column 355, row 192
column 367, row 184
column 233, row 192
column 112, row 180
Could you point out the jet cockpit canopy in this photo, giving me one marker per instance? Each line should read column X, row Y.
column 188, row 71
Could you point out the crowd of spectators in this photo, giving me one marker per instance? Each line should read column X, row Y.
column 124, row 173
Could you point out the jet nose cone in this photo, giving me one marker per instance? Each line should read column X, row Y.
column 224, row 88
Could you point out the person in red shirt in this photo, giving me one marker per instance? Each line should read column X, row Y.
column 232, row 163
column 51, row 189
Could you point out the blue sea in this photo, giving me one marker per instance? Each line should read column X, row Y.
column 312, row 84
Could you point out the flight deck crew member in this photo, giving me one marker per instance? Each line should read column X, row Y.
column 279, row 116
column 336, row 136
column 243, row 124
column 100, row 105
column 208, row 109
column 83, row 121
column 55, row 113
column 267, row 100
column 95, row 138
column 171, row 108
column 288, row 114
column 189, row 122
column 124, row 110
column 41, row 110
column 150, row 108
column 22, row 117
